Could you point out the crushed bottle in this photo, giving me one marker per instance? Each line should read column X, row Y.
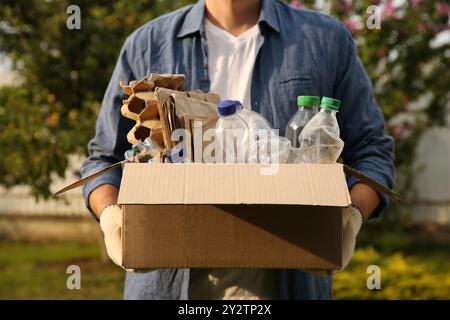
column 319, row 140
column 144, row 152
column 260, row 133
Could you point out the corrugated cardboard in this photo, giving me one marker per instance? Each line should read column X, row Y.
column 230, row 215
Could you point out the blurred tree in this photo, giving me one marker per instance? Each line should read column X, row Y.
column 408, row 61
column 63, row 73
column 51, row 113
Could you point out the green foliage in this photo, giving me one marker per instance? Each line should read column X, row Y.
column 421, row 276
column 414, row 263
column 63, row 73
column 402, row 65
column 52, row 111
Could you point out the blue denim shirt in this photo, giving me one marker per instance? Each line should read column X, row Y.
column 303, row 53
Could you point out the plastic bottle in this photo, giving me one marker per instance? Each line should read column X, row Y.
column 319, row 140
column 307, row 108
column 143, row 151
column 259, row 133
column 231, row 134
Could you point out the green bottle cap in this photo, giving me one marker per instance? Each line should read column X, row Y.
column 308, row 101
column 330, row 103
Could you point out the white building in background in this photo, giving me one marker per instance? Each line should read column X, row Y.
column 18, row 201
column 432, row 177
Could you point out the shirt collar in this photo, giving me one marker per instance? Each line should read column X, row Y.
column 194, row 20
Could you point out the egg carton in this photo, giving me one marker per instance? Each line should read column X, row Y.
column 142, row 105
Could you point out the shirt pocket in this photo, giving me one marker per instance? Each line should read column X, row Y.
column 287, row 89
column 302, row 82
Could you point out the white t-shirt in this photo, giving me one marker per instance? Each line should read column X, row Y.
column 231, row 60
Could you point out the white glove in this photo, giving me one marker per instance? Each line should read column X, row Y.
column 111, row 225
column 351, row 221
column 351, row 224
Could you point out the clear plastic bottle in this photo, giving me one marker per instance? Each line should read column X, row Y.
column 307, row 108
column 143, row 151
column 259, row 132
column 319, row 140
column 231, row 134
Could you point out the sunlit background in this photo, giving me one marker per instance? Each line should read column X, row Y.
column 51, row 83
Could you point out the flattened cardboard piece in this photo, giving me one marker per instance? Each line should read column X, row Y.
column 204, row 183
column 166, row 109
column 85, row 180
column 193, row 113
column 213, row 97
column 375, row 184
column 232, row 236
column 199, row 95
column 194, row 108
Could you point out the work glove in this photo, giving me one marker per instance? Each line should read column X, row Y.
column 351, row 224
column 111, row 226
column 351, row 221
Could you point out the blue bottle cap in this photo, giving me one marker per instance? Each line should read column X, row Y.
column 228, row 107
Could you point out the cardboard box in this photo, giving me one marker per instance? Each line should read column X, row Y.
column 200, row 215
column 231, row 215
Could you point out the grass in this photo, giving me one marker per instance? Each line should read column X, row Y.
column 38, row 271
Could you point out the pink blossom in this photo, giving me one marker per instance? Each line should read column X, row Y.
column 296, row 3
column 352, row 25
column 443, row 8
column 398, row 133
column 403, row 131
column 389, row 9
column 416, row 3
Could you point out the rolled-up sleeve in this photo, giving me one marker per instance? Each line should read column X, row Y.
column 109, row 143
column 368, row 148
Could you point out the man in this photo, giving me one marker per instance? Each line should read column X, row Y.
column 264, row 53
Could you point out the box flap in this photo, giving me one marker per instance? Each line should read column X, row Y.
column 85, row 180
column 374, row 184
column 293, row 184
